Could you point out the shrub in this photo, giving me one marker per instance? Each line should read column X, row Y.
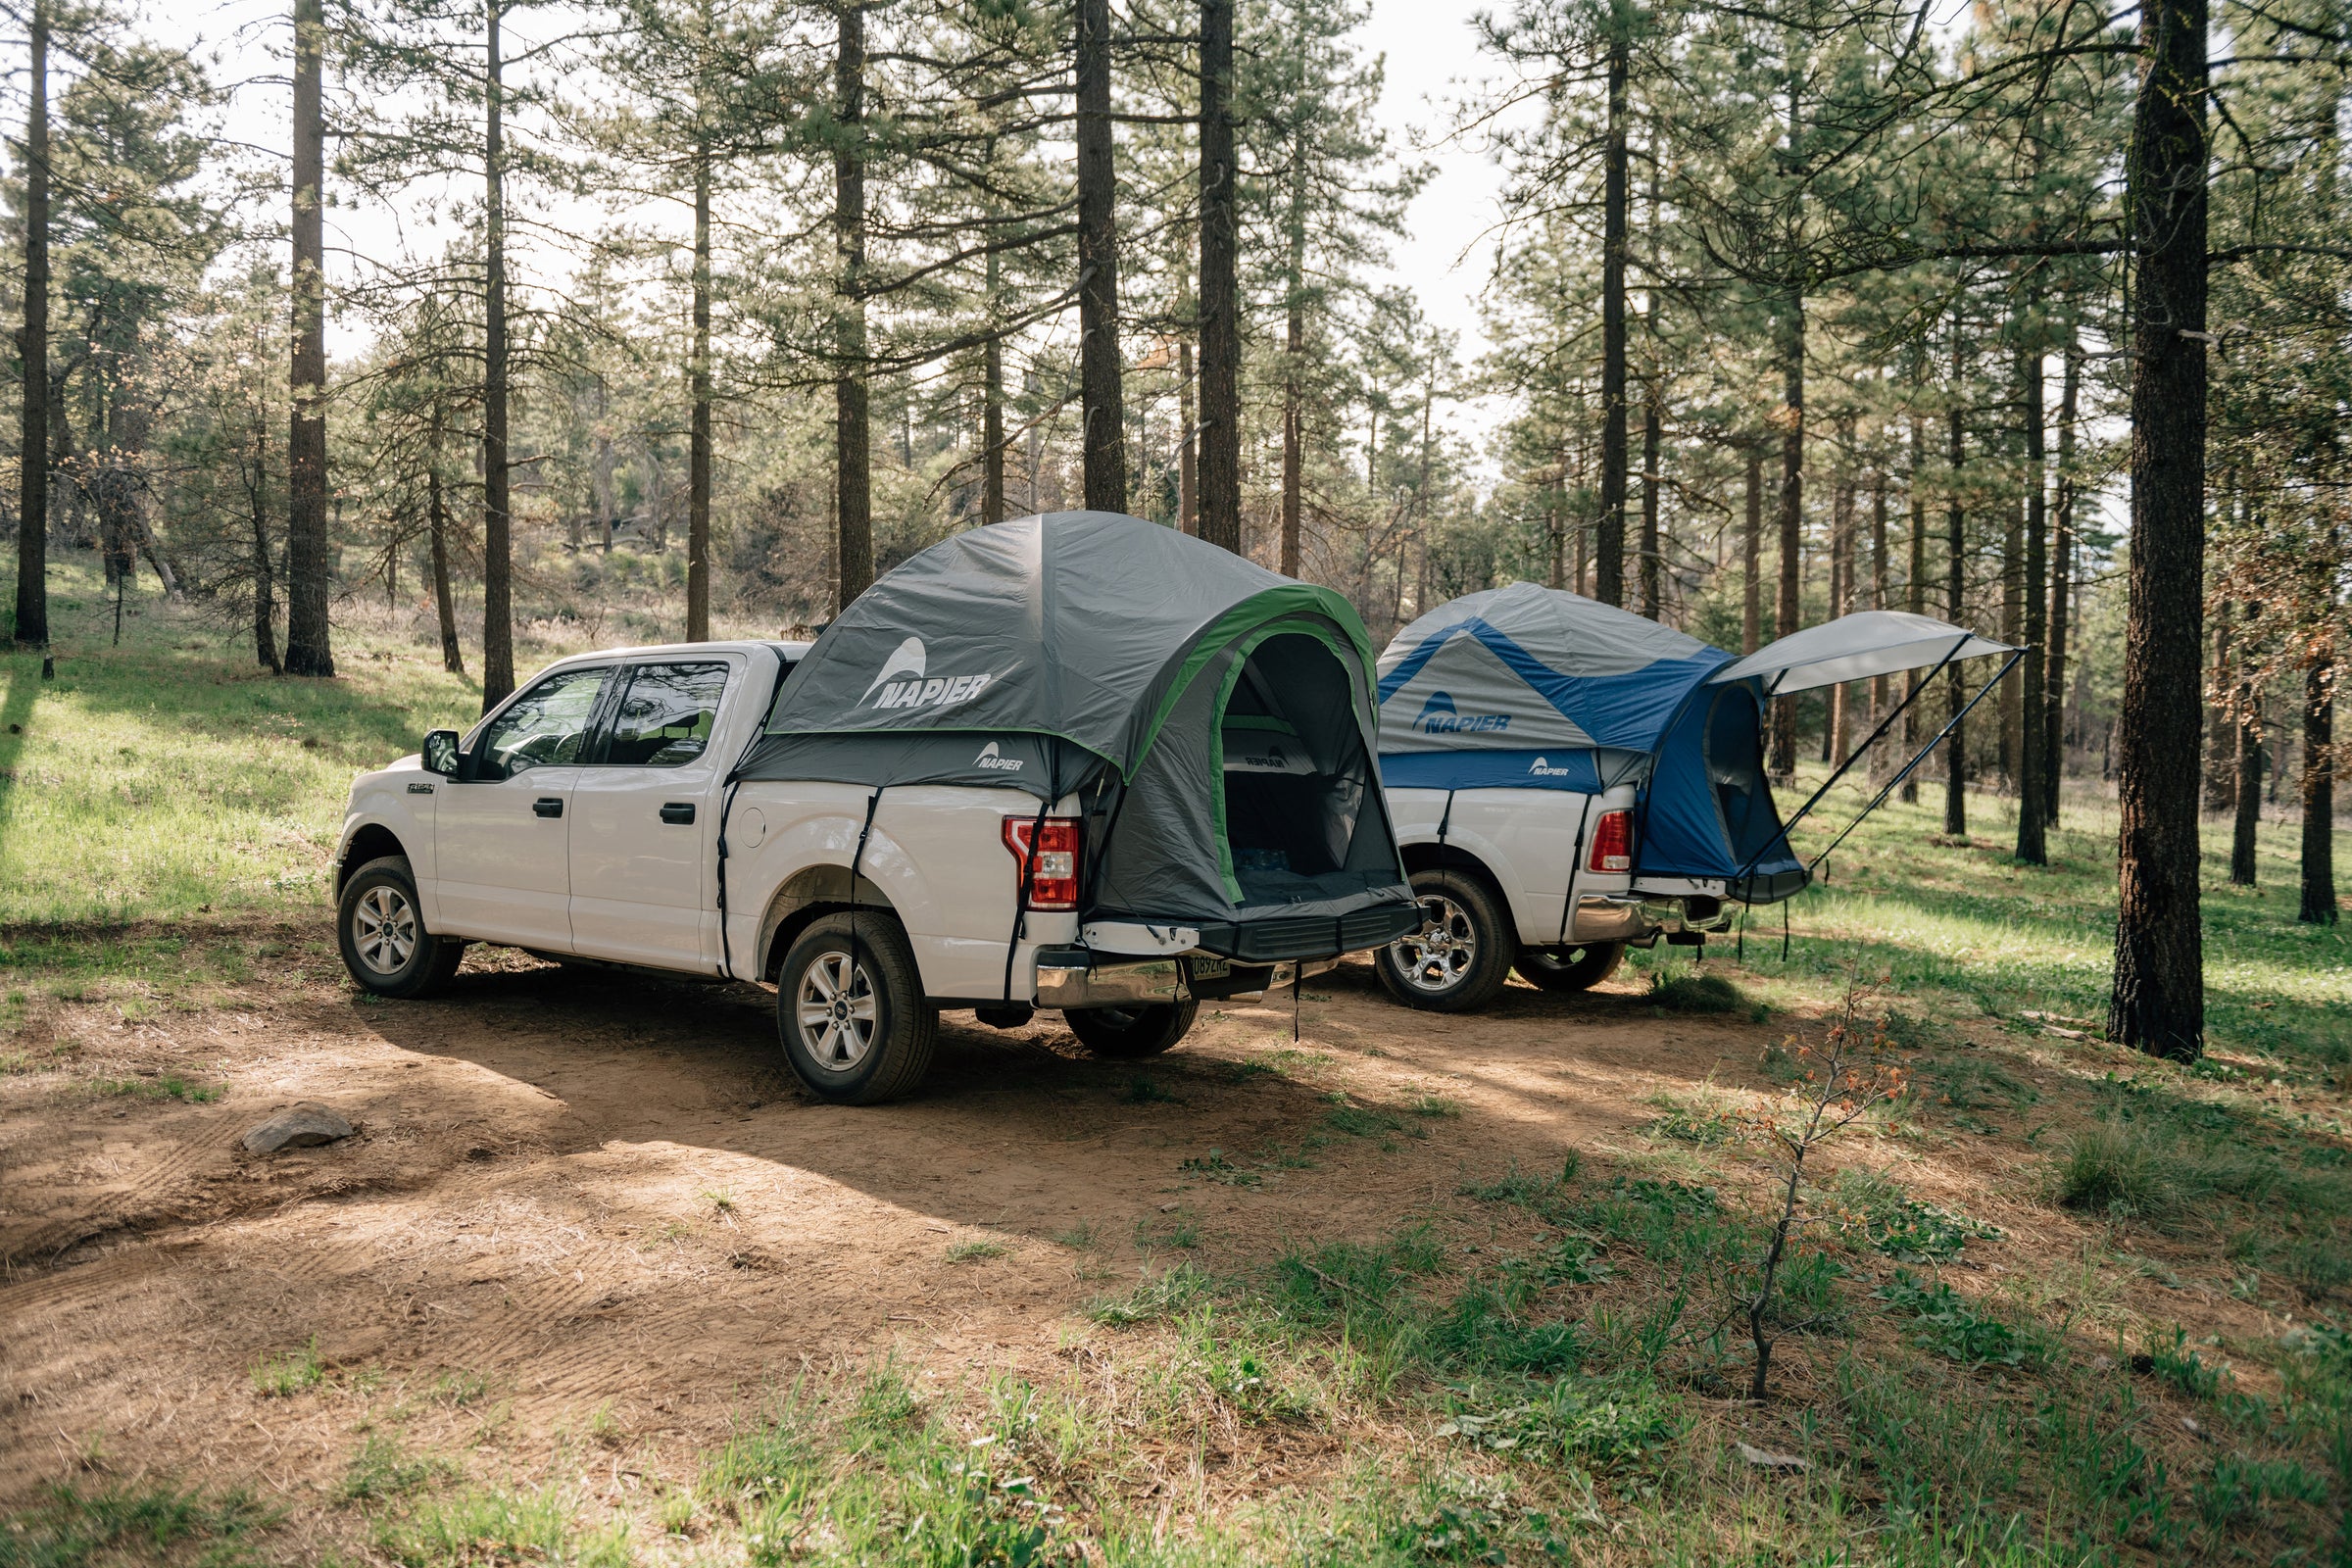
column 1694, row 992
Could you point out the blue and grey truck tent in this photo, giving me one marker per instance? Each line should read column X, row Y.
column 1538, row 688
column 1215, row 719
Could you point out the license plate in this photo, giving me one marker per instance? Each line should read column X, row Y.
column 1206, row 968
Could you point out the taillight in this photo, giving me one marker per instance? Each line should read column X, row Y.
column 1053, row 880
column 1612, row 843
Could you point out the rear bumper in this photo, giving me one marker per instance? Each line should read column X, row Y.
column 1640, row 917
column 1079, row 977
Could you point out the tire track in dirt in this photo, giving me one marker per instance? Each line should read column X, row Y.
column 45, row 1241
column 67, row 1286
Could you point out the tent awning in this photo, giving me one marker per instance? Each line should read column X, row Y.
column 1856, row 647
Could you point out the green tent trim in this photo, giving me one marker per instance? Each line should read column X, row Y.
column 1287, row 598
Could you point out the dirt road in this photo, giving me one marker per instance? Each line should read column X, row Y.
column 575, row 1201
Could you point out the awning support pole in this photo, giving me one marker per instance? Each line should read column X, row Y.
column 1908, row 768
column 1804, row 810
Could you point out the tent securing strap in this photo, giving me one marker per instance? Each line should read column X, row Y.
column 1909, row 696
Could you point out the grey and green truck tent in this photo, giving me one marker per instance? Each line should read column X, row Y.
column 1215, row 719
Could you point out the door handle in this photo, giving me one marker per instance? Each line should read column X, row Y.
column 548, row 806
column 678, row 812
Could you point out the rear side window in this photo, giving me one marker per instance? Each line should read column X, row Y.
column 665, row 715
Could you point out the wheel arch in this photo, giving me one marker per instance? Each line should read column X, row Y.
column 806, row 897
column 371, row 841
column 1420, row 857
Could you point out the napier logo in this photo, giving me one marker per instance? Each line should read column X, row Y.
column 1543, row 769
column 902, row 682
column 1439, row 717
column 989, row 758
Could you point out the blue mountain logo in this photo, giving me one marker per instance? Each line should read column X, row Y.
column 1439, row 716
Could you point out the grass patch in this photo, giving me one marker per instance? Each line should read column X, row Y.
column 71, row 1526
column 976, row 1252
column 1157, row 1297
column 1952, row 1326
column 280, row 1377
column 1143, row 1090
column 382, row 1470
column 489, row 1525
column 1687, row 992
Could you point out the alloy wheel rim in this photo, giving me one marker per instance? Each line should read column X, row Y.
column 383, row 928
column 1438, row 958
column 836, row 1009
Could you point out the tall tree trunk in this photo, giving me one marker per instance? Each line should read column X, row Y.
column 992, row 388
column 1792, row 505
column 2218, row 751
column 1652, row 437
column 1294, row 355
column 2246, row 796
column 1915, row 587
column 1220, row 286
column 1188, row 446
column 1878, row 581
column 2159, row 999
column 1102, row 406
column 1955, row 609
column 2062, row 574
column 2318, row 792
column 2013, row 548
column 498, row 608
column 2033, row 727
column 605, row 497
column 852, row 475
column 32, row 347
column 1608, row 575
column 1841, row 588
column 453, row 656
column 309, row 650
column 1751, row 556
column 698, row 440
column 264, row 573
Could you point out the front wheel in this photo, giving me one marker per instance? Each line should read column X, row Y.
column 1570, row 968
column 1129, row 1032
column 1461, row 958
column 381, row 932
column 849, row 1006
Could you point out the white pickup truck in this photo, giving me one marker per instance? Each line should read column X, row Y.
column 854, row 822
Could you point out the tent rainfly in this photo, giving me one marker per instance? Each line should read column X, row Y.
column 1216, row 721
column 1538, row 688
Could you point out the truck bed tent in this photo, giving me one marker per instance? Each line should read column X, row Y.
column 1538, row 688
column 1217, row 719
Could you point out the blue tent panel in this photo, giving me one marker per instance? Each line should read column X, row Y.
column 1552, row 769
column 1708, row 808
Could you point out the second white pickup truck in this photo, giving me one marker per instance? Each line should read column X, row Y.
column 1075, row 761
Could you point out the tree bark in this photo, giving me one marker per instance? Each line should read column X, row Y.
column 852, row 475
column 1652, row 438
column 1608, row 575
column 2319, row 793
column 453, row 656
column 1294, row 356
column 2032, row 730
column 992, row 393
column 1878, row 581
column 2246, row 796
column 1955, row 609
column 1188, row 446
column 2062, row 574
column 498, row 608
column 2158, row 1004
column 1839, row 731
column 1220, row 288
column 1915, row 587
column 1103, row 404
column 309, row 649
column 32, row 347
column 1793, row 506
column 698, row 446
column 265, row 575
column 1751, row 556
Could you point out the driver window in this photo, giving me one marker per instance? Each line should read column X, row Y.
column 542, row 728
column 664, row 719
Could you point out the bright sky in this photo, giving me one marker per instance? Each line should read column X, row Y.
column 1431, row 55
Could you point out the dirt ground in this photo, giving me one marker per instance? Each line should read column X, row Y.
column 577, row 1203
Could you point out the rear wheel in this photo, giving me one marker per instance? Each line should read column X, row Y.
column 1461, row 956
column 849, row 1008
column 1570, row 968
column 1144, row 1031
column 380, row 929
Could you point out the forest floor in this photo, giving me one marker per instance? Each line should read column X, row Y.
column 594, row 1283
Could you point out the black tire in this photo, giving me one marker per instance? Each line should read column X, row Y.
column 380, row 928
column 1461, row 958
column 1130, row 1032
column 1570, row 968
column 856, row 1025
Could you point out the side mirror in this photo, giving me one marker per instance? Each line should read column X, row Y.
column 441, row 753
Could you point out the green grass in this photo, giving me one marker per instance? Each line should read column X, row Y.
column 135, row 1522
column 279, row 1377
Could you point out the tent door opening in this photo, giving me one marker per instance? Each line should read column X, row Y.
column 1293, row 770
